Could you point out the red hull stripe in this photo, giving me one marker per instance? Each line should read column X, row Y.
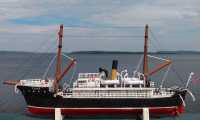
column 172, row 111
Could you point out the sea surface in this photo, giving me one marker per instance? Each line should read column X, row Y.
column 21, row 65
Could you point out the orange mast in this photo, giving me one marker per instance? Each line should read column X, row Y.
column 70, row 65
column 146, row 70
column 145, row 60
column 59, row 58
column 161, row 66
column 59, row 74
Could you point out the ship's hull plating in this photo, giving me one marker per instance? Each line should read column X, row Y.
column 41, row 101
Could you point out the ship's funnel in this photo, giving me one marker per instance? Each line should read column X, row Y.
column 114, row 69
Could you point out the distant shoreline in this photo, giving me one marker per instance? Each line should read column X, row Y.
column 127, row 52
column 106, row 52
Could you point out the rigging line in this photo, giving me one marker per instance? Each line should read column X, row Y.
column 154, row 45
column 32, row 56
column 42, row 63
column 154, row 37
column 157, row 43
column 48, row 55
column 177, row 75
column 48, row 68
column 165, row 76
column 73, row 73
column 74, row 69
column 68, row 57
column 139, row 64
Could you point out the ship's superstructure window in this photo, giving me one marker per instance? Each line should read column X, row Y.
column 82, row 81
column 111, row 86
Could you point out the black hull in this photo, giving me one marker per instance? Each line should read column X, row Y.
column 42, row 98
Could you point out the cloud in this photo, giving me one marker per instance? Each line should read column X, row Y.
column 154, row 13
column 27, row 29
column 169, row 19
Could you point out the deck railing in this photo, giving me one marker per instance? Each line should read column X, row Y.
column 118, row 93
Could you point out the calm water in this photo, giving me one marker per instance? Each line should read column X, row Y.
column 27, row 65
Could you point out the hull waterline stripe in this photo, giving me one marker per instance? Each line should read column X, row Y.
column 172, row 111
column 128, row 108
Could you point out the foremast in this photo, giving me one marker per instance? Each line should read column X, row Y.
column 59, row 58
column 59, row 74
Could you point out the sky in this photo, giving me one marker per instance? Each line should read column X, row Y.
column 112, row 25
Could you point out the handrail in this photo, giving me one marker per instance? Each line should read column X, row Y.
column 124, row 93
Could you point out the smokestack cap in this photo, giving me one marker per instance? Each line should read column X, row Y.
column 114, row 64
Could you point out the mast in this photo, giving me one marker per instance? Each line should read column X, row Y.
column 59, row 74
column 145, row 60
column 59, row 57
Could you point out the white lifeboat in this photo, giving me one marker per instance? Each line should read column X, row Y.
column 133, row 81
column 110, row 82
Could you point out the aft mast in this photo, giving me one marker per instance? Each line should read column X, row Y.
column 145, row 60
column 146, row 71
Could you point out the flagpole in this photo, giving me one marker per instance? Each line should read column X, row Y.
column 189, row 79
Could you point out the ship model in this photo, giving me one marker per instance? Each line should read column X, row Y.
column 101, row 93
